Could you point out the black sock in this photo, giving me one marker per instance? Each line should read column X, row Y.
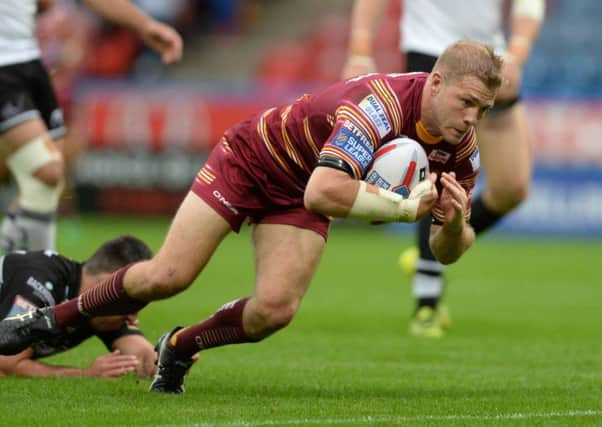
column 482, row 218
column 425, row 265
column 424, row 233
column 427, row 302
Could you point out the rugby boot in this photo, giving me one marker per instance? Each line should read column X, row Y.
column 430, row 322
column 171, row 370
column 19, row 332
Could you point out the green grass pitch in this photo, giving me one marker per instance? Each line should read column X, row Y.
column 525, row 347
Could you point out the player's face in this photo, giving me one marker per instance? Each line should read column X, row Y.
column 459, row 105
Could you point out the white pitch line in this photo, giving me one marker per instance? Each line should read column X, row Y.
column 398, row 420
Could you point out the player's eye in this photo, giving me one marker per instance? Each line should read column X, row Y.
column 483, row 111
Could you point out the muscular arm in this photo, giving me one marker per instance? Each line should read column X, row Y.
column 526, row 21
column 447, row 244
column 451, row 239
column 144, row 351
column 527, row 16
column 332, row 192
column 156, row 35
column 364, row 20
column 120, row 12
column 106, row 366
column 22, row 365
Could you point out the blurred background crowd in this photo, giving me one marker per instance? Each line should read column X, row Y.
column 140, row 131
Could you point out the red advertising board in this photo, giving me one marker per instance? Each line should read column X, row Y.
column 144, row 147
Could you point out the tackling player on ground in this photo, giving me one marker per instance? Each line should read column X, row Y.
column 45, row 278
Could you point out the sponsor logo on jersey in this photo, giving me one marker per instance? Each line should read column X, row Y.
column 21, row 306
column 40, row 290
column 357, row 132
column 353, row 143
column 439, row 156
column 375, row 111
column 475, row 160
column 225, row 202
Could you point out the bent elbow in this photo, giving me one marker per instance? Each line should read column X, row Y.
column 313, row 200
column 315, row 195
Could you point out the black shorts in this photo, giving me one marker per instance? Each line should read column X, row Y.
column 26, row 93
column 421, row 62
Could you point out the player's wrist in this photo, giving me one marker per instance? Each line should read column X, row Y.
column 518, row 50
column 374, row 204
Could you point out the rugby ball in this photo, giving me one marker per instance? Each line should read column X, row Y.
column 398, row 166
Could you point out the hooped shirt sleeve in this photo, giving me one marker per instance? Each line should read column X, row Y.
column 466, row 166
column 364, row 119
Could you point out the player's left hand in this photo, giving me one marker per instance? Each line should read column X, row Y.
column 512, row 73
column 164, row 39
column 454, row 201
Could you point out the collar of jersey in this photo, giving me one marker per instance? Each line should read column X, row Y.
column 425, row 136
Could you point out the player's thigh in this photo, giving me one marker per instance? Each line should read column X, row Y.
column 286, row 258
column 194, row 234
column 16, row 137
column 505, row 150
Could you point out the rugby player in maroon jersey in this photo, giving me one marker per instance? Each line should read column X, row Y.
column 288, row 170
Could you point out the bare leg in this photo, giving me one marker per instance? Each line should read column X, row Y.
column 37, row 165
column 504, row 145
column 286, row 259
column 195, row 233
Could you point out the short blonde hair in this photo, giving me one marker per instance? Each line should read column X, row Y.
column 469, row 58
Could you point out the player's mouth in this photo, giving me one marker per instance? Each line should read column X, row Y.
column 459, row 132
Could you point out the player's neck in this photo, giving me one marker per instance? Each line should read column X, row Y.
column 427, row 116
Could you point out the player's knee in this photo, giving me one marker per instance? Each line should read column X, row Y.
column 52, row 173
column 510, row 196
column 162, row 282
column 38, row 170
column 275, row 314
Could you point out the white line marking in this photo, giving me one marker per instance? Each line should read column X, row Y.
column 393, row 420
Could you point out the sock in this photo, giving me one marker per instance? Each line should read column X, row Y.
column 223, row 328
column 427, row 284
column 424, row 233
column 482, row 218
column 28, row 231
column 106, row 299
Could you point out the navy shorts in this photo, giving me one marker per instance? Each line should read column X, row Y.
column 26, row 93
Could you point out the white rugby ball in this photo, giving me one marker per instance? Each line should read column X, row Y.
column 398, row 166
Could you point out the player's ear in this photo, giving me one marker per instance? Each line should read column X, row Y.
column 436, row 82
